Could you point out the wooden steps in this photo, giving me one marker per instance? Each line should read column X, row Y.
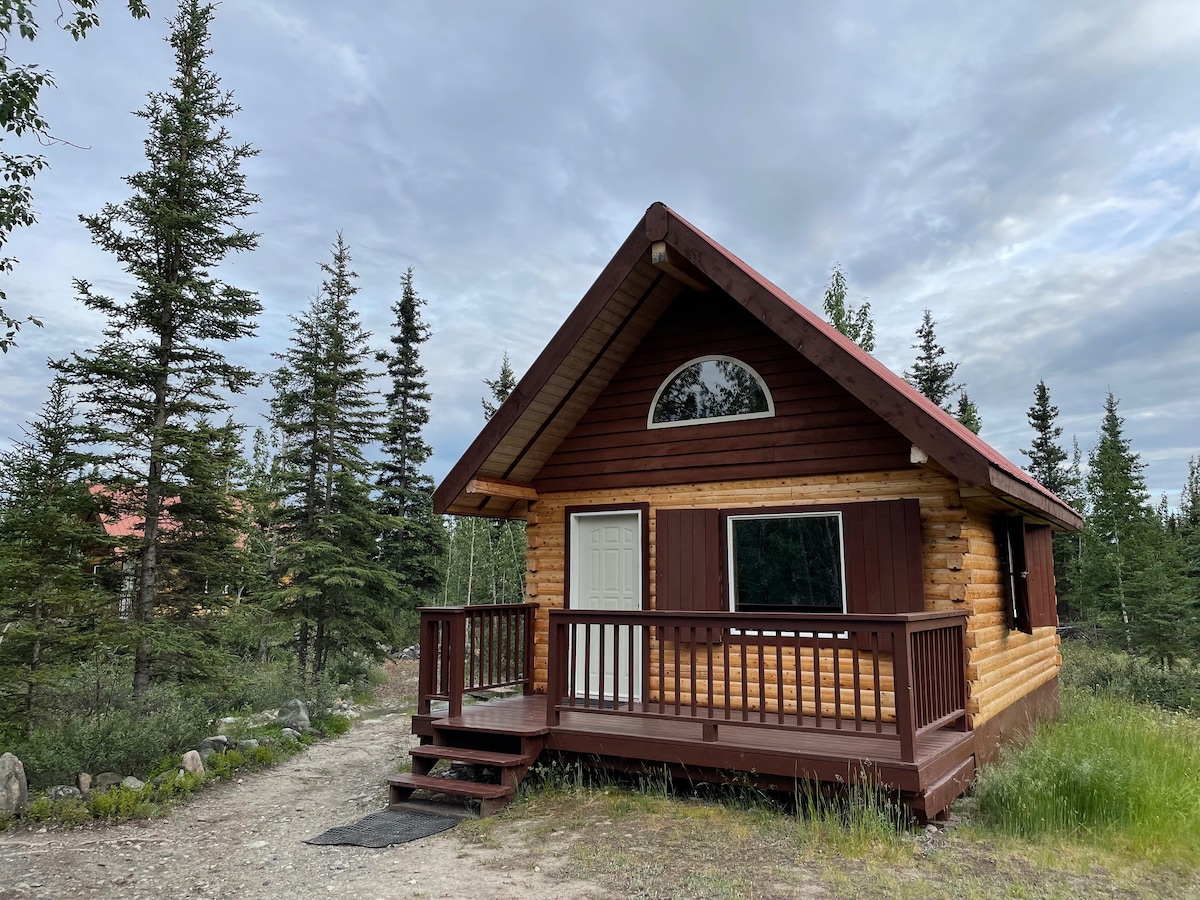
column 491, row 797
column 481, row 742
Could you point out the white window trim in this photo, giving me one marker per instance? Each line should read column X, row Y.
column 766, row 414
column 732, row 569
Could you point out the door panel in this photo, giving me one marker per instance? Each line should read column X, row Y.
column 606, row 564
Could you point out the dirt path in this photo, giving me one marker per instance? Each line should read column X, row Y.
column 244, row 839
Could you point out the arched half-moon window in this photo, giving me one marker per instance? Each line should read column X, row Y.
column 710, row 389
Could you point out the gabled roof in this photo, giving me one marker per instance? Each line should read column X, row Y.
column 663, row 256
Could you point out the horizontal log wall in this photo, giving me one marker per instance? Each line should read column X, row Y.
column 959, row 555
column 818, row 426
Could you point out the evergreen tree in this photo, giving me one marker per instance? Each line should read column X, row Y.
column 331, row 584
column 500, row 387
column 968, row 413
column 50, row 604
column 930, row 374
column 414, row 549
column 855, row 323
column 161, row 367
column 1046, row 456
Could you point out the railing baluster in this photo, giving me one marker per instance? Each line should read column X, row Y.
column 692, row 669
column 779, row 692
column 878, row 690
column 837, row 685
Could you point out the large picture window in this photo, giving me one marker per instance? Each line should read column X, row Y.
column 708, row 389
column 786, row 563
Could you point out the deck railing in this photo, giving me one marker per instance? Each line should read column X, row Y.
column 474, row 648
column 894, row 677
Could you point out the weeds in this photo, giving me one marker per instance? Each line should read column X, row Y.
column 1109, row 772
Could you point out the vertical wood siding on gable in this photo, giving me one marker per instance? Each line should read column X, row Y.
column 818, row 429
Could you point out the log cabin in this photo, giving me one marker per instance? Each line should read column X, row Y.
column 753, row 551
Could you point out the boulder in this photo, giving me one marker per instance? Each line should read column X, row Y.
column 14, row 789
column 249, row 745
column 413, row 652
column 218, row 742
column 293, row 714
column 289, row 734
column 205, row 755
column 83, row 781
column 132, row 783
column 105, row 780
column 192, row 763
column 65, row 792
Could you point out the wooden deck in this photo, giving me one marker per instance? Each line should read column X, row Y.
column 780, row 755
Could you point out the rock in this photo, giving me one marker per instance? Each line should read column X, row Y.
column 105, row 780
column 218, row 742
column 132, row 783
column 192, row 763
column 249, row 745
column 14, row 789
column 413, row 652
column 83, row 781
column 289, row 734
column 205, row 755
column 162, row 778
column 293, row 714
column 65, row 792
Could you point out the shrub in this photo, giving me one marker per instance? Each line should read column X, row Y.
column 334, row 726
column 1122, row 774
column 1119, row 674
column 120, row 803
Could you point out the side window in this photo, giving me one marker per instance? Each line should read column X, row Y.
column 710, row 389
column 1027, row 564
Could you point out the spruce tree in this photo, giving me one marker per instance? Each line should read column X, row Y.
column 330, row 583
column 50, row 540
column 1046, row 456
column 968, row 413
column 500, row 388
column 930, row 374
column 855, row 323
column 160, row 367
column 414, row 549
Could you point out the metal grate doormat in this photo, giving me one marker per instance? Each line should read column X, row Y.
column 382, row 829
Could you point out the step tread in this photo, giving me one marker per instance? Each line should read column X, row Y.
column 451, row 786
column 463, row 754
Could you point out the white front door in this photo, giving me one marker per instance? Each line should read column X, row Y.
column 606, row 567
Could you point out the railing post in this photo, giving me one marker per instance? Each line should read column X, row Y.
column 428, row 642
column 555, row 688
column 529, row 632
column 902, row 678
column 456, row 653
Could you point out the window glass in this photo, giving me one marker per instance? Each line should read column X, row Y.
column 711, row 388
column 787, row 563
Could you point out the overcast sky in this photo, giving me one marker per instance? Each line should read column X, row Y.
column 1028, row 171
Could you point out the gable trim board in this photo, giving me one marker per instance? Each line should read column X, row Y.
column 621, row 307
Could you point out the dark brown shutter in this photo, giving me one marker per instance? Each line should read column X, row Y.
column 1039, row 566
column 688, row 560
column 883, row 557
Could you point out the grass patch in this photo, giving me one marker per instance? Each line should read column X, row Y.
column 1109, row 773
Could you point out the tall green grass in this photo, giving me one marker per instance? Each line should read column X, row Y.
column 1113, row 672
column 1111, row 772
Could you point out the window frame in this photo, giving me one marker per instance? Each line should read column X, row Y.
column 731, row 569
column 768, row 413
